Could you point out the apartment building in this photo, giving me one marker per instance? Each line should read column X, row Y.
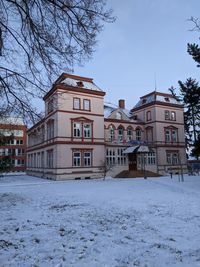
column 13, row 132
column 80, row 135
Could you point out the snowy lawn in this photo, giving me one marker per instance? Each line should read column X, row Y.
column 96, row 223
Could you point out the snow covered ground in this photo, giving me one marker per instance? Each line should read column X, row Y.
column 96, row 223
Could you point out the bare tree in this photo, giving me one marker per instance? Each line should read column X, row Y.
column 105, row 168
column 38, row 40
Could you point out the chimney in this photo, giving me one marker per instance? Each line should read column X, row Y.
column 122, row 103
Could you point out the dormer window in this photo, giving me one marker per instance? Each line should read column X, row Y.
column 118, row 116
column 80, row 84
column 134, row 117
column 167, row 99
column 144, row 101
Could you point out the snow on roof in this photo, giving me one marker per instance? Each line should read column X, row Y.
column 109, row 108
column 11, row 120
column 165, row 98
column 80, row 83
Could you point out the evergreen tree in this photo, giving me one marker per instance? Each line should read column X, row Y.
column 196, row 149
column 5, row 160
column 190, row 97
column 194, row 49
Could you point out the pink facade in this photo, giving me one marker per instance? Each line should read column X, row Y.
column 80, row 136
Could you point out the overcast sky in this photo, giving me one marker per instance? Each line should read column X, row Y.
column 148, row 39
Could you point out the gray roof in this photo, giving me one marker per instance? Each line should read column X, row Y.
column 109, row 108
column 165, row 98
column 85, row 84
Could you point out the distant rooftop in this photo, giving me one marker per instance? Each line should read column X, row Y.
column 11, row 120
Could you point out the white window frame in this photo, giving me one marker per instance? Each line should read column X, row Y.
column 86, row 104
column 87, row 132
column 76, row 103
column 77, row 129
column 76, row 158
column 138, row 134
column 87, row 158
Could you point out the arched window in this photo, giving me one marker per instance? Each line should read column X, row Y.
column 138, row 134
column 111, row 133
column 120, row 133
column 129, row 133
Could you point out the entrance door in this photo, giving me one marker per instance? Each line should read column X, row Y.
column 132, row 158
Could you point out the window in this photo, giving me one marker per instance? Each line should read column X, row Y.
column 147, row 159
column 138, row 134
column 42, row 159
column 77, row 103
column 50, row 106
column 118, row 116
column 111, row 133
column 50, row 158
column 173, row 116
column 82, row 129
column 121, row 158
column 151, row 158
column 167, row 136
column 77, row 129
column 87, row 130
column 148, row 115
column 170, row 115
column 20, row 151
column 167, row 99
column 86, row 104
column 129, row 134
column 144, row 101
column 87, row 159
column 76, row 159
column 50, row 129
column 167, row 115
column 110, row 156
column 80, row 84
column 172, row 158
column 120, row 134
column 82, row 158
column 20, row 162
column 171, row 135
column 174, row 135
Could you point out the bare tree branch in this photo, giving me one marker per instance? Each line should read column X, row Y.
column 39, row 39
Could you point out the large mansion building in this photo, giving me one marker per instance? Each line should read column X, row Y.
column 81, row 137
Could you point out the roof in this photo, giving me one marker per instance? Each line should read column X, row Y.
column 75, row 83
column 11, row 121
column 109, row 108
column 156, row 97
